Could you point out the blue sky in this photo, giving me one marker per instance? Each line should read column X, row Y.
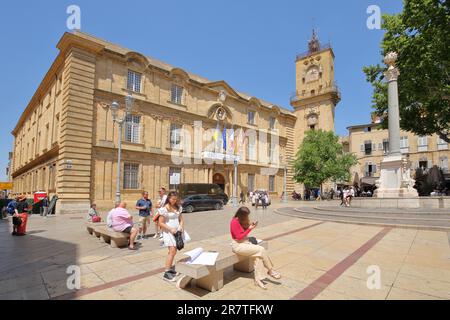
column 251, row 44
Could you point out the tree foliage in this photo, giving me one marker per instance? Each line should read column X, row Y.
column 321, row 158
column 421, row 37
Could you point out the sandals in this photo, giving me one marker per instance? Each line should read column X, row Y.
column 274, row 275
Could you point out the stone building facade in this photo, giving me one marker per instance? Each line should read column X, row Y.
column 370, row 143
column 65, row 142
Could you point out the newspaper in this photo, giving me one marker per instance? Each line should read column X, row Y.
column 200, row 257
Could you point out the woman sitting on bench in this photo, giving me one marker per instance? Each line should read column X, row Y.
column 240, row 229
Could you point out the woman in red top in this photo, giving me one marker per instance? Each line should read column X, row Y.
column 240, row 229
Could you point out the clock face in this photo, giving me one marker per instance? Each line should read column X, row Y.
column 312, row 74
column 313, row 120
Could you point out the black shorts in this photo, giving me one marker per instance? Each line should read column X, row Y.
column 127, row 230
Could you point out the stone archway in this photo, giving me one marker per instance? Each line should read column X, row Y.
column 219, row 179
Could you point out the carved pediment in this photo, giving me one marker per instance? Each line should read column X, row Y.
column 223, row 86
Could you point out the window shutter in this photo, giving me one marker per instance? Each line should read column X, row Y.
column 374, row 168
column 380, row 146
column 430, row 164
column 362, row 147
column 374, row 146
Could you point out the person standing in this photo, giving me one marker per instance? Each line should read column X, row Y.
column 242, row 196
column 265, row 200
column 341, row 196
column 45, row 204
column 122, row 221
column 240, row 228
column 319, row 195
column 345, row 195
column 171, row 221
column 351, row 195
column 161, row 203
column 257, row 198
column 20, row 217
column 145, row 207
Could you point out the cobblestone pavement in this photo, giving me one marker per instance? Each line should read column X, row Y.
column 318, row 260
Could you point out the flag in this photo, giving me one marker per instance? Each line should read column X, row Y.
column 232, row 140
column 240, row 141
column 216, row 134
column 224, row 138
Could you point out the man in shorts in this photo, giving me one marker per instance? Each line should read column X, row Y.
column 145, row 208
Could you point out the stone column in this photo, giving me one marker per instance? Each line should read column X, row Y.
column 394, row 115
column 395, row 183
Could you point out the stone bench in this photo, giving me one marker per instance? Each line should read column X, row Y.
column 210, row 278
column 116, row 239
column 90, row 227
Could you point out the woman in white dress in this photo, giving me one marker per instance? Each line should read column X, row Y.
column 171, row 221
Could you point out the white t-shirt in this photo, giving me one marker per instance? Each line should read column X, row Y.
column 162, row 201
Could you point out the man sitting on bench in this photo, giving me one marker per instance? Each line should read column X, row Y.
column 242, row 246
column 122, row 221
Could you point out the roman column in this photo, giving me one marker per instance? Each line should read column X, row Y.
column 394, row 117
column 395, row 183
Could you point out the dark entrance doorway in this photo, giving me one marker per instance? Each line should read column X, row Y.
column 219, row 179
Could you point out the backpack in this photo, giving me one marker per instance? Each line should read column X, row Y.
column 11, row 207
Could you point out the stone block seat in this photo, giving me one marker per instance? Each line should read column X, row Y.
column 116, row 239
column 210, row 278
column 90, row 227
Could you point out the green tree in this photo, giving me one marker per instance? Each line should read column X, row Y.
column 320, row 158
column 421, row 37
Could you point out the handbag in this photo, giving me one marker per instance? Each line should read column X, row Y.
column 253, row 240
column 179, row 240
column 17, row 221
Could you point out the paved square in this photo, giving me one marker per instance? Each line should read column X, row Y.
column 318, row 260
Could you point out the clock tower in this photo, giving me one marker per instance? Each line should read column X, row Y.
column 316, row 95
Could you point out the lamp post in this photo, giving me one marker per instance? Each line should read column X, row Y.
column 235, row 195
column 129, row 101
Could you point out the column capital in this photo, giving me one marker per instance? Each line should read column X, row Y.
column 392, row 74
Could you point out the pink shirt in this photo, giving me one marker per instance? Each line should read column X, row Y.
column 237, row 231
column 121, row 219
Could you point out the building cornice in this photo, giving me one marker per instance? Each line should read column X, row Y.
column 68, row 41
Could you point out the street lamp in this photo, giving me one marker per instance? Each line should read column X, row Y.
column 235, row 188
column 129, row 101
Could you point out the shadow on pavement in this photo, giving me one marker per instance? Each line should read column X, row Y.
column 33, row 267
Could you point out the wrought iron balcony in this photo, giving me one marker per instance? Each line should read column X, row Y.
column 308, row 53
column 296, row 96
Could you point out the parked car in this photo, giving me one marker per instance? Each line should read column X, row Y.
column 260, row 201
column 201, row 202
column 213, row 190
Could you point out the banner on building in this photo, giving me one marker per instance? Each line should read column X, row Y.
column 6, row 185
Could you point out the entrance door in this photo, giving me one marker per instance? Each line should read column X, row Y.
column 220, row 180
